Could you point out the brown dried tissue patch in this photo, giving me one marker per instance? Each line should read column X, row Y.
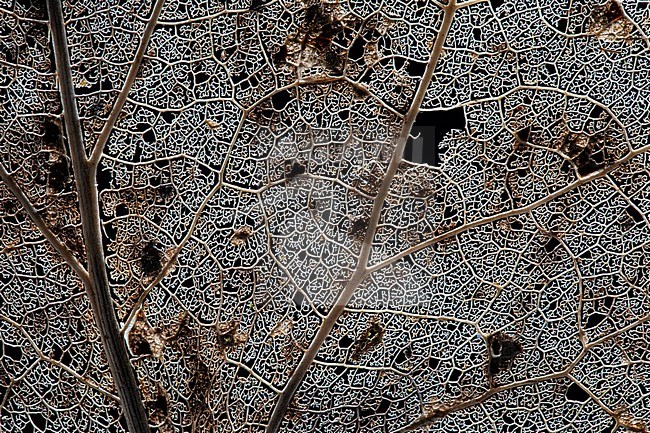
column 229, row 335
column 241, row 235
column 312, row 43
column 610, row 24
column 502, row 351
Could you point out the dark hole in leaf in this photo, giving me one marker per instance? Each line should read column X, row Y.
column 634, row 214
column 587, row 166
column 516, row 225
column 52, row 134
column 608, row 301
column 346, row 341
column 594, row 320
column 384, row 406
column 31, row 41
column 502, row 350
column 455, row 375
column 552, row 243
column 168, row 116
column 281, row 99
column 449, row 212
column 357, row 49
column 298, row 298
column 430, row 127
column 13, row 352
column 121, row 210
column 496, row 4
column 596, row 112
column 416, row 69
column 63, row 356
column 39, row 421
column 201, row 77
column 433, row 363
column 562, row 25
column 575, row 393
column 149, row 137
column 242, row 373
column 399, row 62
column 150, row 260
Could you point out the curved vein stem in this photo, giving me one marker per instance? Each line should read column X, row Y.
column 98, row 289
column 330, row 320
column 36, row 218
column 128, row 83
column 509, row 213
column 430, row 418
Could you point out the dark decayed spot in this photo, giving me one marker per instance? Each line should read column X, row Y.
column 522, row 135
column 612, row 11
column 241, row 235
column 280, row 56
column 293, row 169
column 139, row 344
column 502, row 350
column 59, row 175
column 159, row 405
column 228, row 337
column 150, row 260
column 370, row 338
column 359, row 227
column 52, row 134
column 319, row 30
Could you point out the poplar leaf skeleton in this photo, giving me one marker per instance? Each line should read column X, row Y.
column 237, row 216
